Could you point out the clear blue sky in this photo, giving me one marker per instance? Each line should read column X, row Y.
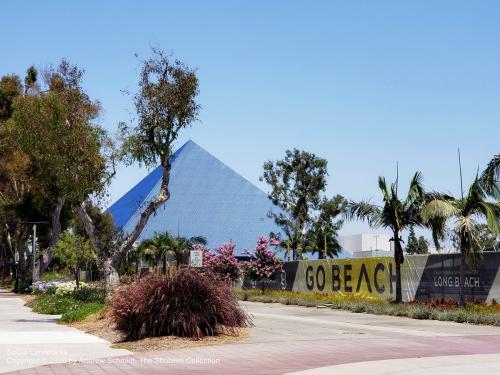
column 361, row 83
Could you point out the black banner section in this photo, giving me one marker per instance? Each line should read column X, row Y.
column 441, row 278
column 283, row 281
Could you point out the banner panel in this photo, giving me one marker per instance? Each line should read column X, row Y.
column 363, row 277
column 423, row 277
column 441, row 278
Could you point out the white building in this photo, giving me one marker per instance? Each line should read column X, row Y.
column 365, row 244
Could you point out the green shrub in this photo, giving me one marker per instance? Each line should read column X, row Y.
column 69, row 307
column 49, row 276
column 418, row 313
column 81, row 312
column 53, row 304
column 90, row 294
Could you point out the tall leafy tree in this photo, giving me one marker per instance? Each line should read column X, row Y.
column 18, row 196
column 395, row 214
column 75, row 253
column 55, row 128
column 10, row 88
column 416, row 245
column 465, row 211
column 322, row 238
column 297, row 183
column 165, row 106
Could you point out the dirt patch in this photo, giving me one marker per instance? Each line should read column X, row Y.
column 101, row 325
column 27, row 298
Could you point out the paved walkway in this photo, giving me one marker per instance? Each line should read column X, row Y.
column 289, row 339
column 477, row 364
column 28, row 339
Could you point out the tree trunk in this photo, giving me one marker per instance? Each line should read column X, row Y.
column 463, row 255
column 10, row 253
column 325, row 248
column 20, row 248
column 164, row 265
column 54, row 234
column 111, row 273
column 398, row 259
column 111, row 264
column 151, row 208
column 77, row 277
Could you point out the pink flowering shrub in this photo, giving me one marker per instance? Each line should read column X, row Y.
column 263, row 264
column 222, row 264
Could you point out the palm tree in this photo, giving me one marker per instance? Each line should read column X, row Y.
column 395, row 214
column 157, row 248
column 180, row 246
column 465, row 211
column 323, row 240
column 152, row 250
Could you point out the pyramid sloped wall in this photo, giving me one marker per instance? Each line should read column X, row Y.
column 207, row 198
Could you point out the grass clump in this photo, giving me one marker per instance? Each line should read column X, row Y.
column 188, row 304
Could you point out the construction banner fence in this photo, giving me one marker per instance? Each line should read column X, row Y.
column 423, row 277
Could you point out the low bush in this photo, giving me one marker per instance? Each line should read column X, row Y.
column 188, row 305
column 7, row 281
column 53, row 304
column 52, row 276
column 80, row 313
column 69, row 307
column 90, row 294
column 62, row 287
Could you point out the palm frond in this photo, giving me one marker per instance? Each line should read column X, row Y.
column 198, row 240
column 490, row 178
column 364, row 211
column 440, row 209
column 492, row 213
column 382, row 184
column 416, row 190
column 438, row 229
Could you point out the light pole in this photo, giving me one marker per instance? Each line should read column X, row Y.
column 16, row 264
column 34, row 271
column 34, row 274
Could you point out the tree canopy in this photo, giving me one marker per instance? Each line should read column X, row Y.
column 306, row 216
column 165, row 105
column 416, row 245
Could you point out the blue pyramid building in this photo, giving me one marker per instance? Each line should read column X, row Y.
column 207, row 199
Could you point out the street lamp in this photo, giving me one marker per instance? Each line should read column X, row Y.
column 16, row 268
column 34, row 273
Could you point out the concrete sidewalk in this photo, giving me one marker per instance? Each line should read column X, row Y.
column 289, row 339
column 478, row 364
column 28, row 339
